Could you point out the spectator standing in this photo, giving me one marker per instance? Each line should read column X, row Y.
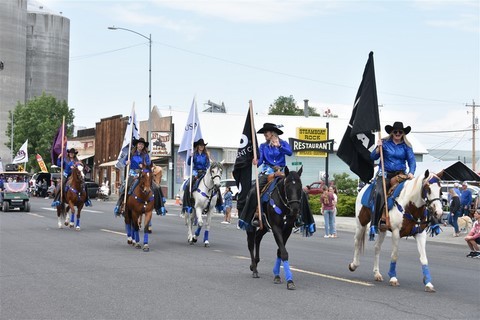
column 333, row 190
column 473, row 237
column 327, row 201
column 455, row 211
column 465, row 200
column 227, row 199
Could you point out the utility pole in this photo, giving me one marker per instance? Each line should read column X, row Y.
column 474, row 128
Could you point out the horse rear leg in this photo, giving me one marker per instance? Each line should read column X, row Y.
column 128, row 226
column 251, row 248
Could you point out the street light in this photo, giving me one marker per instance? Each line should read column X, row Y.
column 149, row 38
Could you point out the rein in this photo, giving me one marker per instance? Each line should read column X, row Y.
column 286, row 204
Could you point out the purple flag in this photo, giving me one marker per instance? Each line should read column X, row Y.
column 57, row 144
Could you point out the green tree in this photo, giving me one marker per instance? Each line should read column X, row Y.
column 345, row 184
column 288, row 106
column 38, row 121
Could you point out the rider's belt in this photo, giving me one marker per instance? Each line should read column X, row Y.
column 268, row 169
column 390, row 175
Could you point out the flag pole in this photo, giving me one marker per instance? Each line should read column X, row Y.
column 191, row 145
column 61, row 160
column 257, row 186
column 383, row 180
column 132, row 114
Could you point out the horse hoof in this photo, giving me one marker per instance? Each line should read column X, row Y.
column 394, row 282
column 194, row 240
column 66, row 224
column 59, row 225
column 255, row 275
column 146, row 248
column 138, row 246
column 378, row 277
column 77, row 228
column 429, row 288
column 291, row 285
column 277, row 280
column 129, row 241
column 351, row 267
column 207, row 244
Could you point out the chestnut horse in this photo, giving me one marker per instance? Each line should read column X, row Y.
column 139, row 204
column 74, row 195
column 283, row 207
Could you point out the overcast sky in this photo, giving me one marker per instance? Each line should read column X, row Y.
column 427, row 58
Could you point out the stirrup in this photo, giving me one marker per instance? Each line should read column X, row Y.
column 55, row 203
column 88, row 203
column 382, row 225
column 116, row 211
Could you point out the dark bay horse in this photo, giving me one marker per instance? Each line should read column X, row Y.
column 282, row 209
column 74, row 195
column 139, row 204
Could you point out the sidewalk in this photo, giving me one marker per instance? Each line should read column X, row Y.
column 349, row 224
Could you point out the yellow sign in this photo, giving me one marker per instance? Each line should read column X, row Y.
column 312, row 134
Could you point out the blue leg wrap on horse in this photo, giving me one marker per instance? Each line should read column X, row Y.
column 426, row 274
column 393, row 266
column 137, row 236
column 288, row 272
column 197, row 232
column 72, row 217
column 77, row 224
column 205, row 235
column 128, row 229
column 276, row 267
column 145, row 238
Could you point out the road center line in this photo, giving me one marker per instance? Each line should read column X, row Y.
column 362, row 283
column 35, row 215
column 114, row 232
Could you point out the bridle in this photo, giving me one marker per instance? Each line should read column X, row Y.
column 287, row 202
column 429, row 202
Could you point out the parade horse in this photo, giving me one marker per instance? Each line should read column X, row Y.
column 74, row 195
column 139, row 204
column 204, row 197
column 417, row 210
column 282, row 209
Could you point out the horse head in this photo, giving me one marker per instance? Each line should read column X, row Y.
column 145, row 181
column 292, row 188
column 216, row 170
column 77, row 171
column 432, row 193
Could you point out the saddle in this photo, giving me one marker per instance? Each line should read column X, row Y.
column 395, row 181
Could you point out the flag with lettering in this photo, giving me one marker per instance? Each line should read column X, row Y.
column 359, row 138
column 192, row 133
column 22, row 154
column 130, row 132
column 41, row 163
column 242, row 170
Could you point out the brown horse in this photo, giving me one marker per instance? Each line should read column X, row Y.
column 74, row 195
column 139, row 203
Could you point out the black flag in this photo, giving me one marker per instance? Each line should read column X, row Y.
column 359, row 139
column 242, row 170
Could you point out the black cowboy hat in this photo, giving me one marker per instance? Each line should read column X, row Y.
column 397, row 126
column 142, row 140
column 200, row 142
column 270, row 127
column 72, row 150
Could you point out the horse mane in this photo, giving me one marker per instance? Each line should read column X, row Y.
column 412, row 190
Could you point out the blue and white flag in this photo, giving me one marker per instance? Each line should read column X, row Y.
column 192, row 133
column 22, row 154
column 130, row 133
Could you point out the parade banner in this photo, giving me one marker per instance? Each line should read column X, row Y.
column 41, row 163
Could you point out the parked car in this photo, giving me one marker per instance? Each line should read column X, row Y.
column 92, row 188
column 229, row 183
column 314, row 188
column 448, row 185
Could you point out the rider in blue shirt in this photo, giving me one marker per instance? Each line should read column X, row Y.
column 69, row 162
column 272, row 154
column 201, row 162
column 465, row 200
column 397, row 153
column 139, row 161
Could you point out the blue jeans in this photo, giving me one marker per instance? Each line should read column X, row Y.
column 452, row 219
column 329, row 217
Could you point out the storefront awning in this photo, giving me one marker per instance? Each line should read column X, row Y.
column 108, row 164
column 85, row 156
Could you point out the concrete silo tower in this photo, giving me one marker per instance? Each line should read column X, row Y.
column 13, row 20
column 48, row 48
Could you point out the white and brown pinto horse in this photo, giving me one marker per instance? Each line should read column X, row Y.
column 416, row 209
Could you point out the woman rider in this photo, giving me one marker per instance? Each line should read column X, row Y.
column 271, row 159
column 397, row 152
column 69, row 161
column 139, row 161
column 201, row 162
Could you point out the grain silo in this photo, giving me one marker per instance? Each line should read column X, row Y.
column 48, row 47
column 13, row 20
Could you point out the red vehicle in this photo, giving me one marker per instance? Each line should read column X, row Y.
column 315, row 187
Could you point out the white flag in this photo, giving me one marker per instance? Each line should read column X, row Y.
column 130, row 133
column 22, row 154
column 192, row 133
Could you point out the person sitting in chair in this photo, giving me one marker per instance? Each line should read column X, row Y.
column 139, row 161
column 271, row 160
column 201, row 161
column 397, row 152
column 69, row 162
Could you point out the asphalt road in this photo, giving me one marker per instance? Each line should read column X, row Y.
column 51, row 273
